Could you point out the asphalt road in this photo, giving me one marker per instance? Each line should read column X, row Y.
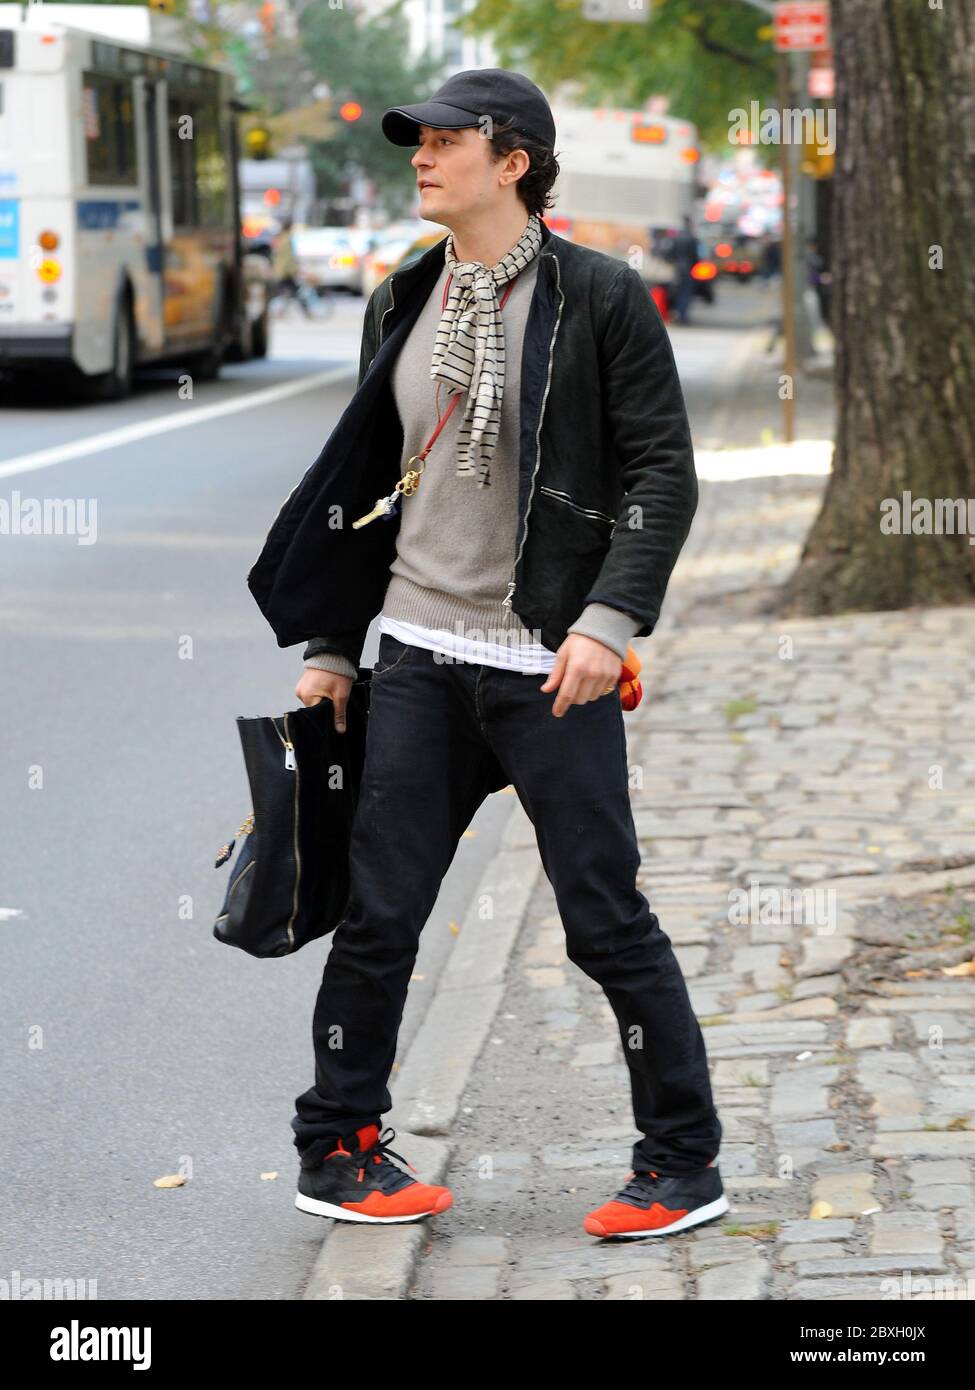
column 133, row 1044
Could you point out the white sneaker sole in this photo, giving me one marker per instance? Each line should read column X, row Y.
column 318, row 1208
column 693, row 1218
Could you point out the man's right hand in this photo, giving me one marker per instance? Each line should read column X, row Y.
column 325, row 685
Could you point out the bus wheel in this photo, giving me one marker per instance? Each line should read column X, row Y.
column 205, row 366
column 116, row 384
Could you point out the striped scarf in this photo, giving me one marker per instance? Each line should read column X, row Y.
column 468, row 353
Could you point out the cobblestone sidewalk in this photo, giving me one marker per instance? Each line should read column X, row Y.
column 804, row 792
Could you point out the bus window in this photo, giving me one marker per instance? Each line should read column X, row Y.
column 211, row 167
column 109, row 124
column 182, row 139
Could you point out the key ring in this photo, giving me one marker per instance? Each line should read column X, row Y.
column 410, row 480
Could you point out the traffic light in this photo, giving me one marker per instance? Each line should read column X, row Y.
column 817, row 160
column 267, row 18
column 257, row 142
column 350, row 110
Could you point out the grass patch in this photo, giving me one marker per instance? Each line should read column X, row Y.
column 764, row 1231
column 734, row 709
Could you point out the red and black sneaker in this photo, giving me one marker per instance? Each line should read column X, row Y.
column 658, row 1206
column 358, row 1183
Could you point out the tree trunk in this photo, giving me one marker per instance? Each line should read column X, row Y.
column 905, row 332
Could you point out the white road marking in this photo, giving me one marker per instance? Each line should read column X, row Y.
column 6, row 912
column 175, row 420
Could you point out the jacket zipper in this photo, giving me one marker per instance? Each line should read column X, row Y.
column 294, row 906
column 586, row 511
column 382, row 321
column 506, row 601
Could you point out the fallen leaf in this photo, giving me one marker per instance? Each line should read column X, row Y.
column 170, row 1180
column 268, row 1177
column 967, row 967
column 820, row 1210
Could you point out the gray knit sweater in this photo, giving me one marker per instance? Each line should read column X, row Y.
column 456, row 541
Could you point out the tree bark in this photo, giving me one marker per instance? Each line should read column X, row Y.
column 905, row 332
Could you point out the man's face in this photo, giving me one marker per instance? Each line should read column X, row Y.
column 455, row 173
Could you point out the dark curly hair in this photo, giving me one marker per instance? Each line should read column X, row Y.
column 534, row 186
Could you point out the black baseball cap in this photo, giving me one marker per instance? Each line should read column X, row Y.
column 467, row 97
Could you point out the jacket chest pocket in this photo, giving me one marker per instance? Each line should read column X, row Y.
column 591, row 512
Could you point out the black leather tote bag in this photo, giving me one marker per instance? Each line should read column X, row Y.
column 290, row 881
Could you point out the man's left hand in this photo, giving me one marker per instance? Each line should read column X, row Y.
column 582, row 671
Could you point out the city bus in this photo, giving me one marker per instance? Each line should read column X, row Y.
column 627, row 179
column 119, row 204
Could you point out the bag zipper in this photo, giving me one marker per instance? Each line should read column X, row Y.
column 294, row 905
column 290, row 761
column 586, row 511
column 506, row 601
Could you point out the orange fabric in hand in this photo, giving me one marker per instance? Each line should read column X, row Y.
column 631, row 691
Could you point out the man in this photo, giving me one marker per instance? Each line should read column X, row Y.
column 684, row 255
column 539, row 535
column 818, row 278
column 284, row 267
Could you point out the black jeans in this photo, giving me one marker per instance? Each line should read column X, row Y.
column 436, row 727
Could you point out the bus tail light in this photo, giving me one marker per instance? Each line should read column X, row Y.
column 49, row 271
column 704, row 270
column 49, row 241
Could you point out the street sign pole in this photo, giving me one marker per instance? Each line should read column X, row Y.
column 788, row 262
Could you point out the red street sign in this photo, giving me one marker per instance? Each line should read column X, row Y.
column 801, row 27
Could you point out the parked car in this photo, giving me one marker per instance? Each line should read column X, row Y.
column 738, row 256
column 704, row 272
column 393, row 244
column 419, row 248
column 330, row 258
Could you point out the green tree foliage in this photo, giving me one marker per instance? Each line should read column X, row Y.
column 706, row 55
column 367, row 63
